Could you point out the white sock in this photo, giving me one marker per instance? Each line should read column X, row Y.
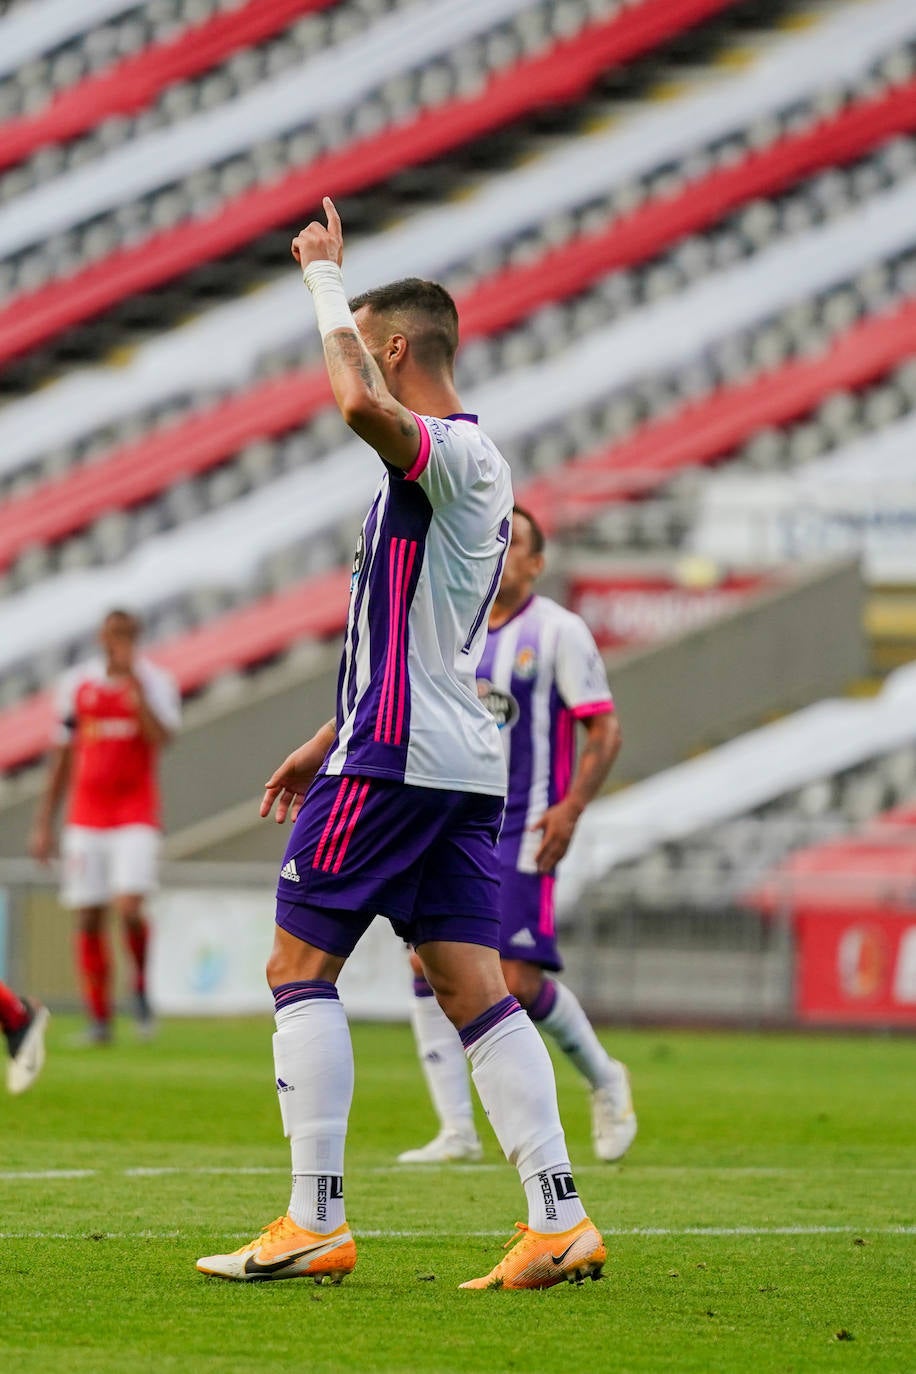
column 568, row 1025
column 445, row 1067
column 313, row 1058
column 514, row 1077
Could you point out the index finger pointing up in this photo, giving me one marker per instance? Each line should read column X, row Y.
column 330, row 210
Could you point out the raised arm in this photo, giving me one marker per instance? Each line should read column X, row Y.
column 359, row 388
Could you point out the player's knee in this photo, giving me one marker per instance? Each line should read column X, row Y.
column 91, row 920
column 416, row 964
column 523, row 980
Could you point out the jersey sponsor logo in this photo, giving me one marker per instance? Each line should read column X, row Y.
column 526, row 663
column 114, row 727
column 502, row 705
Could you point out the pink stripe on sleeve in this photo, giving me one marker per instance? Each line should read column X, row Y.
column 593, row 708
column 422, row 458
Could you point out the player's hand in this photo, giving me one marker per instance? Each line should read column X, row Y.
column 288, row 785
column 556, row 825
column 41, row 842
column 315, row 243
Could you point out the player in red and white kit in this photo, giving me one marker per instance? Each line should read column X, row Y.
column 113, row 713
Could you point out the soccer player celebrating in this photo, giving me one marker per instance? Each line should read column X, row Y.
column 113, row 715
column 403, row 793
column 539, row 674
column 23, row 1024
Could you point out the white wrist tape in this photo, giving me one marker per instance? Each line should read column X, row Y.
column 325, row 282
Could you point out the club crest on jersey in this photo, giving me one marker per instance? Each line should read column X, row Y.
column 502, row 705
column 526, row 663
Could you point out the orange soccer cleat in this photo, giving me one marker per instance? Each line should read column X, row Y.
column 539, row 1260
column 284, row 1250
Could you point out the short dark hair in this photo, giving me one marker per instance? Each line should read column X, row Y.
column 537, row 534
column 132, row 625
column 424, row 311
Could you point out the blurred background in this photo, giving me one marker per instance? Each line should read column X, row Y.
column 682, row 238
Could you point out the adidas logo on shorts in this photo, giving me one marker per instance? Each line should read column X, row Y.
column 288, row 871
column 523, row 937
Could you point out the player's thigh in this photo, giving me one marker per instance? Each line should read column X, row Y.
column 85, row 867
column 134, row 859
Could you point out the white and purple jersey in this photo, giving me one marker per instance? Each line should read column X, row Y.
column 539, row 673
column 427, row 568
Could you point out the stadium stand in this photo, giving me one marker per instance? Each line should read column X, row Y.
column 740, row 809
column 308, row 502
column 496, row 302
column 642, row 295
column 132, row 84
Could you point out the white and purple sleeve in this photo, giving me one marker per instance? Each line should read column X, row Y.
column 581, row 676
column 447, row 463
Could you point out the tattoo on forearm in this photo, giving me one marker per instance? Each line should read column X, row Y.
column 346, row 352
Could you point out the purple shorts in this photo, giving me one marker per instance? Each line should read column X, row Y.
column 528, row 930
column 363, row 847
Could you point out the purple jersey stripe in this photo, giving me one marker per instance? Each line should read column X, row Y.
column 359, row 583
column 505, row 531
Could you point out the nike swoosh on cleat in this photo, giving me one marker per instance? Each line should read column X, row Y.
column 253, row 1266
column 558, row 1259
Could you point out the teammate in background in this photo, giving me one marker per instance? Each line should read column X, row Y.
column 23, row 1023
column 405, row 793
column 539, row 674
column 113, row 716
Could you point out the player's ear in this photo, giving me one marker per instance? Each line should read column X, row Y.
column 396, row 350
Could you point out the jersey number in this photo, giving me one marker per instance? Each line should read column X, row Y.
column 505, row 530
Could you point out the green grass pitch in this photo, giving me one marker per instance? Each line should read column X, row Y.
column 763, row 1220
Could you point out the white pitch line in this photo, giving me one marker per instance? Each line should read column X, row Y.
column 633, row 1171
column 645, row 1232
column 18, row 1174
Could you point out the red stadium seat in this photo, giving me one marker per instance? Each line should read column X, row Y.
column 140, row 470
column 133, row 84
column 559, row 76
